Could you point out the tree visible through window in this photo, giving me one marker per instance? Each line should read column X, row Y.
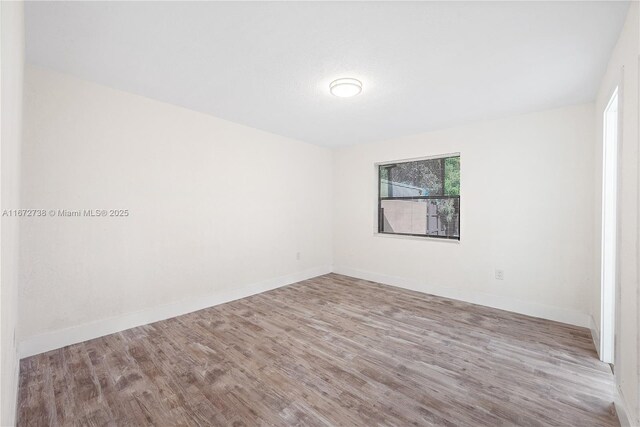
column 420, row 198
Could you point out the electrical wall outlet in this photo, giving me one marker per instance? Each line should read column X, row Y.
column 499, row 274
column 298, row 256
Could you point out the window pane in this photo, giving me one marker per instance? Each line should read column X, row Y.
column 452, row 176
column 428, row 217
column 404, row 216
column 419, row 178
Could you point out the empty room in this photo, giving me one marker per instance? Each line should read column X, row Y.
column 370, row 213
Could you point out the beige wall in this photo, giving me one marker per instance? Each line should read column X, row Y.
column 622, row 71
column 526, row 208
column 215, row 208
column 11, row 69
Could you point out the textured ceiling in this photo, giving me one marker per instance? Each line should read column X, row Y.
column 268, row 65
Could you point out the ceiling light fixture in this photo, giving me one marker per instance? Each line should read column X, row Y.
column 345, row 88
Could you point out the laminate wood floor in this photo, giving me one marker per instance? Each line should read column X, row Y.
column 327, row 351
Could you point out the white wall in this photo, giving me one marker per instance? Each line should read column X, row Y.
column 217, row 210
column 526, row 208
column 11, row 69
column 622, row 71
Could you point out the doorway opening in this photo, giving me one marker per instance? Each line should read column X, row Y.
column 609, row 228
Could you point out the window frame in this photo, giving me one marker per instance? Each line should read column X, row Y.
column 378, row 217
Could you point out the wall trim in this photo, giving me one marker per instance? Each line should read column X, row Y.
column 558, row 314
column 595, row 334
column 620, row 404
column 63, row 337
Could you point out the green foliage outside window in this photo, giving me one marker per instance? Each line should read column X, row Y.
column 452, row 176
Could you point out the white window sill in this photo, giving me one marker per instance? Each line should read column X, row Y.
column 423, row 238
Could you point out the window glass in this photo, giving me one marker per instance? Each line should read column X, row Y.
column 420, row 198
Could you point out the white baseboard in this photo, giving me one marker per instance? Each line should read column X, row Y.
column 595, row 334
column 558, row 314
column 622, row 410
column 57, row 339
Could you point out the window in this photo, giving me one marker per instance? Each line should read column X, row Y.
column 420, row 198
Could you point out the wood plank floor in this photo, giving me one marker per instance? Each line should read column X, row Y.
column 327, row 351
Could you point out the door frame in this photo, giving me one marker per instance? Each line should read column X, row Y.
column 609, row 261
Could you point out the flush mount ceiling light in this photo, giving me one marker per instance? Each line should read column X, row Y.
column 345, row 88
